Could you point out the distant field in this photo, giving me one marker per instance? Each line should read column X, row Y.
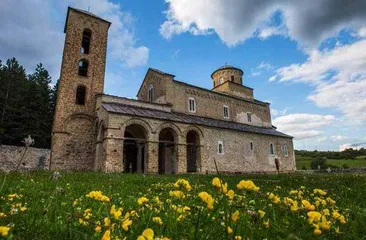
column 357, row 163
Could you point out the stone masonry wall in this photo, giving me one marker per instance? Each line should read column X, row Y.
column 159, row 82
column 34, row 158
column 237, row 155
column 210, row 104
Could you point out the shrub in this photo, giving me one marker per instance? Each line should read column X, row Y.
column 345, row 166
column 322, row 162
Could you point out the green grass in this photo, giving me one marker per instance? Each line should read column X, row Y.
column 51, row 213
column 359, row 162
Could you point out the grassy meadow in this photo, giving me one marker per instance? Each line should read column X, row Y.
column 358, row 162
column 89, row 205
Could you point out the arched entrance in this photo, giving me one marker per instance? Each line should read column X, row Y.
column 193, row 151
column 134, row 149
column 167, row 151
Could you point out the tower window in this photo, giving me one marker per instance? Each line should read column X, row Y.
column 251, row 146
column 80, row 95
column 226, row 111
column 249, row 116
column 85, row 43
column 232, row 78
column 83, row 68
column 221, row 80
column 285, row 150
column 271, row 149
column 151, row 93
column 191, row 105
column 220, row 147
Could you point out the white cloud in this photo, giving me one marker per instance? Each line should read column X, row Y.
column 339, row 77
column 260, row 68
column 336, row 138
column 276, row 112
column 32, row 31
column 362, row 32
column 303, row 125
column 236, row 20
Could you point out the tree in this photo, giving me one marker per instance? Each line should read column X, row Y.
column 318, row 162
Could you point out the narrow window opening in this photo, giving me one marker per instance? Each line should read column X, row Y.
column 221, row 81
column 285, row 150
column 232, row 78
column 80, row 95
column 220, row 147
column 191, row 104
column 226, row 111
column 83, row 68
column 151, row 93
column 251, row 146
column 85, row 43
column 271, row 149
column 249, row 116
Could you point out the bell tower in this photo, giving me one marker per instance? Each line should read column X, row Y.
column 81, row 78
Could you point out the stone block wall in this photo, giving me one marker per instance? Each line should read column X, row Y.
column 34, row 158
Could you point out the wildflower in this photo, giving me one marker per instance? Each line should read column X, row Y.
column 235, row 216
column 229, row 230
column 317, row 231
column 12, row 196
column 308, row 205
column 207, row 198
column 4, row 231
column 83, row 222
column 275, row 199
column 183, row 183
column 266, row 223
column 126, row 224
column 237, row 238
column 320, row 192
column 98, row 195
column 107, row 221
column 216, row 182
column 330, row 200
column 261, row 213
column 326, row 212
column 247, row 185
column 142, row 200
column 157, row 220
column 2, row 215
column 342, row 219
column 314, row 216
column 336, row 214
column 324, row 224
column 147, row 234
column 107, row 235
column 230, row 194
column 177, row 194
column 98, row 229
column 115, row 213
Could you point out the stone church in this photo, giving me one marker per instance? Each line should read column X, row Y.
column 172, row 127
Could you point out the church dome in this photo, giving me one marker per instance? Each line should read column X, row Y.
column 227, row 73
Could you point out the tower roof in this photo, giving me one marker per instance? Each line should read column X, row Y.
column 83, row 12
column 227, row 67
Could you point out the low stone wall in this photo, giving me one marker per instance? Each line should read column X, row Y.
column 34, row 158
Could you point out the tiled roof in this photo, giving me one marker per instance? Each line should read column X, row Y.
column 189, row 119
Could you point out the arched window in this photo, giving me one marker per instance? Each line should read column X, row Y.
column 249, row 116
column 225, row 111
column 221, row 80
column 80, row 95
column 191, row 104
column 150, row 93
column 232, row 78
column 271, row 149
column 85, row 43
column 220, row 147
column 251, row 146
column 83, row 68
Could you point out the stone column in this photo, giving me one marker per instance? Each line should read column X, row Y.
column 139, row 157
column 182, row 158
column 152, row 157
column 114, row 155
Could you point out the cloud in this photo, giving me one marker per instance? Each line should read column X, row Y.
column 32, row 31
column 235, row 21
column 303, row 125
column 336, row 138
column 276, row 112
column 352, row 145
column 261, row 67
column 362, row 32
column 339, row 78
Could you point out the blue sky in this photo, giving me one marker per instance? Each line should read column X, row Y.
column 308, row 61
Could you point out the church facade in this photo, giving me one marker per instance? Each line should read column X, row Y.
column 172, row 127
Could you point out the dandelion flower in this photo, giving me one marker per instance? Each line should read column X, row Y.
column 4, row 231
column 107, row 235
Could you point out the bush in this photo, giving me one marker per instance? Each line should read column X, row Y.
column 322, row 162
column 303, row 168
column 345, row 166
column 332, row 166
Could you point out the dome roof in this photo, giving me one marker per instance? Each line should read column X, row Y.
column 227, row 67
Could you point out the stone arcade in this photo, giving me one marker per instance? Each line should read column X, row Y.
column 172, row 127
